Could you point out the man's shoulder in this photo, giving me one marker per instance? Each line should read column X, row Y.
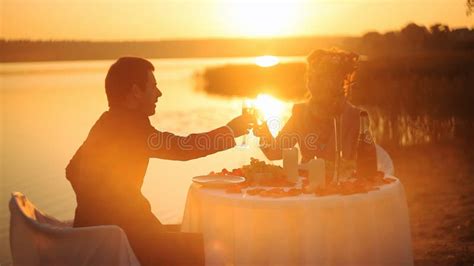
column 121, row 123
column 100, row 124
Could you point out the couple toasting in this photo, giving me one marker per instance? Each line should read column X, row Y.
column 108, row 169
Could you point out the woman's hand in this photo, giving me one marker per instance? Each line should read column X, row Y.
column 262, row 130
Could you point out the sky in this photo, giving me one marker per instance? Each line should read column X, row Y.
column 190, row 19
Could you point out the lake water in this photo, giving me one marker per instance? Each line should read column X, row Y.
column 48, row 109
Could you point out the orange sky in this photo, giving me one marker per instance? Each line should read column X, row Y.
column 176, row 19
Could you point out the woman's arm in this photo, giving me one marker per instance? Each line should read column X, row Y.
column 287, row 138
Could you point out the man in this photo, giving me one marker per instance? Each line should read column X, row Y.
column 107, row 171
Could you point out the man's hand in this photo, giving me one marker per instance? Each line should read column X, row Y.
column 262, row 130
column 241, row 124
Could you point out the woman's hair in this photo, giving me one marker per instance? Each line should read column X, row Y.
column 334, row 62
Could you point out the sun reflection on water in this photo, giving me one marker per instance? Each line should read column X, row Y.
column 271, row 110
column 266, row 60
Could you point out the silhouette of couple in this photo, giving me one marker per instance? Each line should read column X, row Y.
column 108, row 169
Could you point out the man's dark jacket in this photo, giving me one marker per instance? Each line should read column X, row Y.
column 108, row 169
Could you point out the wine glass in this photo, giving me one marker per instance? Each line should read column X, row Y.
column 247, row 108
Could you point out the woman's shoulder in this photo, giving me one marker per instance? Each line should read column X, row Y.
column 353, row 110
column 299, row 108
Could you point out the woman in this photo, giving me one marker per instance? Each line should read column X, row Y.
column 330, row 75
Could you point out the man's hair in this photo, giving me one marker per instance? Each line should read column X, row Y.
column 121, row 76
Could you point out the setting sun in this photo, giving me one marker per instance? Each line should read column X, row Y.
column 263, row 18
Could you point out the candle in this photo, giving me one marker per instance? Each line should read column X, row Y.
column 317, row 173
column 290, row 163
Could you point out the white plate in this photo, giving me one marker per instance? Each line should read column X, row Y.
column 218, row 180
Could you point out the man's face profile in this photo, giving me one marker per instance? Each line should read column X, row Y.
column 147, row 97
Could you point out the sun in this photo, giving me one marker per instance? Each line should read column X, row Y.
column 263, row 18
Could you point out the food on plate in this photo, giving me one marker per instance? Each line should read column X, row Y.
column 263, row 174
column 266, row 180
column 224, row 171
column 354, row 186
column 259, row 173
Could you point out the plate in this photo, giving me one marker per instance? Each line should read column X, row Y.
column 218, row 180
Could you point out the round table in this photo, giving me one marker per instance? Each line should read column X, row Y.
column 360, row 229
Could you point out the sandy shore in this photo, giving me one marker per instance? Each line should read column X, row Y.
column 439, row 184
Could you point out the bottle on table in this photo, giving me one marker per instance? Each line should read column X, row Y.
column 366, row 162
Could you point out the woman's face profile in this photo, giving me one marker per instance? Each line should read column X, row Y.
column 327, row 92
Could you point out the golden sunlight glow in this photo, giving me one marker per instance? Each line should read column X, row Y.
column 266, row 60
column 271, row 110
column 263, row 18
column 217, row 18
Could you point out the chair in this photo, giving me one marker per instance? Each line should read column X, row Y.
column 39, row 239
column 384, row 161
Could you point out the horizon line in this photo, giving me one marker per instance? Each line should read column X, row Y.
column 181, row 39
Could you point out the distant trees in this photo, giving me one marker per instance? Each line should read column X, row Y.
column 414, row 35
column 37, row 50
column 470, row 7
column 415, row 38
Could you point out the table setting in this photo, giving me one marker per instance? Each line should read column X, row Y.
column 265, row 214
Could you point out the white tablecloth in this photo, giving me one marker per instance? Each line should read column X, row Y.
column 360, row 229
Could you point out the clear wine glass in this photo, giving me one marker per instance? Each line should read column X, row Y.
column 247, row 108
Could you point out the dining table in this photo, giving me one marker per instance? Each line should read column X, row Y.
column 370, row 228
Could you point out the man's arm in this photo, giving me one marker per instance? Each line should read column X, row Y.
column 166, row 145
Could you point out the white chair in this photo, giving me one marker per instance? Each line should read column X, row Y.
column 384, row 161
column 39, row 239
